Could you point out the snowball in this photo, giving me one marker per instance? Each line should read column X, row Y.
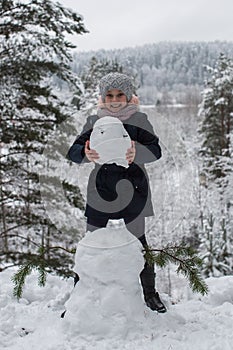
column 110, row 140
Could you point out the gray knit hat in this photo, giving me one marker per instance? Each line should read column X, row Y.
column 116, row 81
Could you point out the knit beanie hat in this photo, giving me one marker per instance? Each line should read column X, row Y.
column 116, row 81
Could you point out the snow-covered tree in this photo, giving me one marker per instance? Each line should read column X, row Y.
column 33, row 50
column 217, row 124
column 216, row 133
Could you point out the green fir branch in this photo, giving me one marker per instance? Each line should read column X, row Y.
column 185, row 258
column 25, row 270
column 41, row 264
column 19, row 279
column 36, row 262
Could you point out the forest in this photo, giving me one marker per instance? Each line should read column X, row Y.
column 165, row 72
column 48, row 89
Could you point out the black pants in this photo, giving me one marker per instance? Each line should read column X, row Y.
column 134, row 226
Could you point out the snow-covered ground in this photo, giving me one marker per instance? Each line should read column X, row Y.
column 193, row 323
column 34, row 322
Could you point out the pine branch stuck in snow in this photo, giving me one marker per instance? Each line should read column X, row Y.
column 187, row 260
column 20, row 276
column 37, row 262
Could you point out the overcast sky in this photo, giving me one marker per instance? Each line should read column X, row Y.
column 129, row 23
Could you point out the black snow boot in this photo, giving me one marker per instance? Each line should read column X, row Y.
column 151, row 297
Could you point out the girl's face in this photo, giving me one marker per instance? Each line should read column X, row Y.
column 115, row 100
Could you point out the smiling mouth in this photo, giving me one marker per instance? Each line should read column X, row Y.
column 116, row 106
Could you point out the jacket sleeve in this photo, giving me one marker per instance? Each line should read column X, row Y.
column 147, row 143
column 76, row 152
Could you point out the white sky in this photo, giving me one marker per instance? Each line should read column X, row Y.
column 129, row 23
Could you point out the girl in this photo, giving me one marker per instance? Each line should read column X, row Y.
column 117, row 100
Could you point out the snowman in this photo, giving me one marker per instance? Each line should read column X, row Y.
column 111, row 141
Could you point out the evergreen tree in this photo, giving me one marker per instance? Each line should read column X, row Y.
column 217, row 123
column 216, row 156
column 33, row 50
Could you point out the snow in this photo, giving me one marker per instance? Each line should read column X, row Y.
column 106, row 311
column 107, row 300
column 107, row 133
column 220, row 101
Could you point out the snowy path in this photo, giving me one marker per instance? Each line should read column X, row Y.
column 198, row 323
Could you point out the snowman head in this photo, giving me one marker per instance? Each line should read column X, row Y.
column 110, row 140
